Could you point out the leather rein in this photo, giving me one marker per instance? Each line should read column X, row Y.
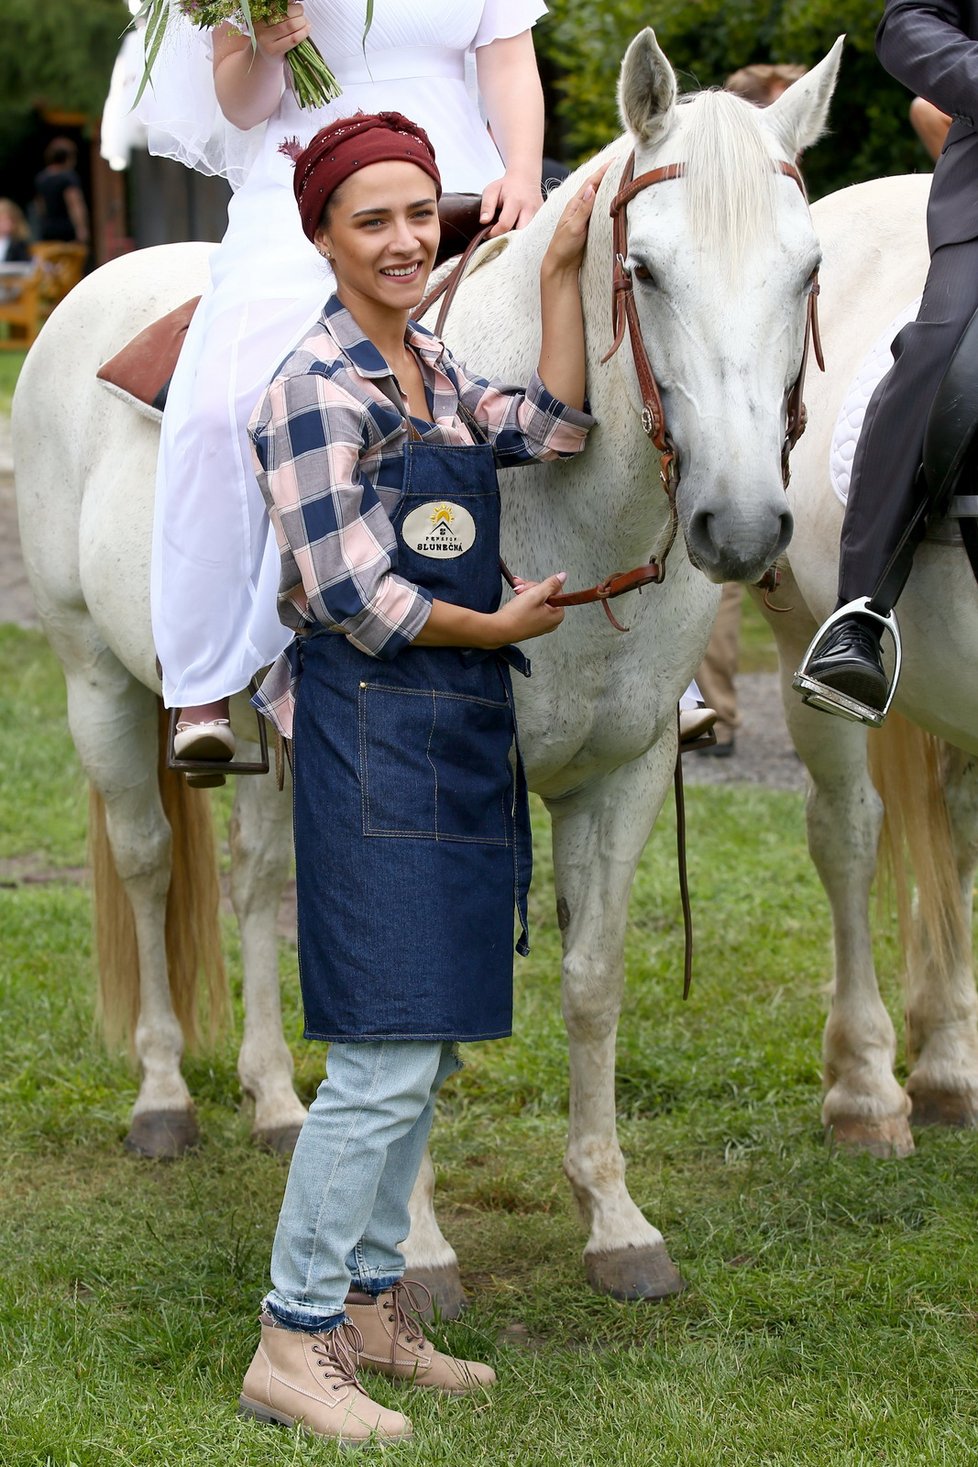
column 624, row 316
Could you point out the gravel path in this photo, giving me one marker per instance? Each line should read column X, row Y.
column 764, row 754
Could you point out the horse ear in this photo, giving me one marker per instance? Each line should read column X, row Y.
column 798, row 117
column 646, row 89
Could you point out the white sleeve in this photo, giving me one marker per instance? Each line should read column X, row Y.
column 501, row 18
column 180, row 111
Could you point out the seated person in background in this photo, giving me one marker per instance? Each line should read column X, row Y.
column 15, row 237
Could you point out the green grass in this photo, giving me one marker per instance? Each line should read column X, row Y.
column 831, row 1315
column 10, row 365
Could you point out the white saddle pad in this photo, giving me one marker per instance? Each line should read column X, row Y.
column 848, row 426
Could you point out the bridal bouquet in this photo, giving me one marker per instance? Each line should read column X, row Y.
column 312, row 81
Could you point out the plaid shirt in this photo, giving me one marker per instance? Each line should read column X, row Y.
column 328, row 454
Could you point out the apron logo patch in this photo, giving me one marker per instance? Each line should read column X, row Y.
column 441, row 530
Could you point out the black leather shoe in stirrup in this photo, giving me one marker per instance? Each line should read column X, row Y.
column 842, row 672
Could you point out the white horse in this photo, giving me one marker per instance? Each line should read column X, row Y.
column 722, row 259
column 875, row 259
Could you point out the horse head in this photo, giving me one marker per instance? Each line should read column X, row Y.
column 722, row 255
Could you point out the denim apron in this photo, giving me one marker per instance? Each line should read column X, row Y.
column 411, row 817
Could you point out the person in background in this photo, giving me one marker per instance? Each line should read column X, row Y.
column 761, row 84
column 59, row 203
column 15, row 237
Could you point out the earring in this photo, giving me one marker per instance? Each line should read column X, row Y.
column 326, row 254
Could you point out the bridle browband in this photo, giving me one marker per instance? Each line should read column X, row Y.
column 624, row 314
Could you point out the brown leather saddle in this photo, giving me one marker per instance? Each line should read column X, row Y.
column 143, row 368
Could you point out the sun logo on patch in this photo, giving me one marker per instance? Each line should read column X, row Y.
column 441, row 530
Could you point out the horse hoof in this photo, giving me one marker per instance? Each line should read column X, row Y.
column 163, row 1135
column 634, row 1273
column 280, row 1139
column 448, row 1298
column 943, row 1108
column 884, row 1139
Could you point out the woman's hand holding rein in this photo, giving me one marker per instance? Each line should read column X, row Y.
column 526, row 615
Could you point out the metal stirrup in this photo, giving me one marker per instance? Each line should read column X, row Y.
column 830, row 700
column 209, row 773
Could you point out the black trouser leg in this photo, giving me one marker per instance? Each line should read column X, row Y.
column 882, row 495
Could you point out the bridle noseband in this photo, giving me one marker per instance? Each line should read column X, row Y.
column 624, row 313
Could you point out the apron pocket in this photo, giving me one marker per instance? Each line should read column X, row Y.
column 435, row 765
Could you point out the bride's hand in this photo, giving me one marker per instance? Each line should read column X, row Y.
column 276, row 41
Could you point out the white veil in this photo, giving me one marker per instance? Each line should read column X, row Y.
column 180, row 111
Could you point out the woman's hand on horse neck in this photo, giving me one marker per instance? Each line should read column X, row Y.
column 249, row 83
column 527, row 615
column 561, row 365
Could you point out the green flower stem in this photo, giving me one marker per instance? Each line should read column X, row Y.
column 312, row 81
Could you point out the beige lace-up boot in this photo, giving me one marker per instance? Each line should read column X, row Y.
column 394, row 1342
column 311, row 1380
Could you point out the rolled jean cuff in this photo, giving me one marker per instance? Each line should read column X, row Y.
column 302, row 1317
column 372, row 1282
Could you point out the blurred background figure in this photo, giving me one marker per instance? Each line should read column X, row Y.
column 764, row 82
column 930, row 124
column 59, row 204
column 15, row 237
column 761, row 84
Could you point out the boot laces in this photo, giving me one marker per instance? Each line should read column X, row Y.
column 408, row 1302
column 339, row 1351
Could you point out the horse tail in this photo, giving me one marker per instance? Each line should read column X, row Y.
column 193, row 936
column 906, row 765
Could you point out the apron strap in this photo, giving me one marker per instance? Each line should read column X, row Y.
column 390, row 390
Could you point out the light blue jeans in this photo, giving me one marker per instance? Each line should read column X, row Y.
column 354, row 1167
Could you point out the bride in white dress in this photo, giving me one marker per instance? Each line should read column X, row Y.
column 217, row 107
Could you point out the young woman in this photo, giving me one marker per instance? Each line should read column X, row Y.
column 376, row 452
column 222, row 109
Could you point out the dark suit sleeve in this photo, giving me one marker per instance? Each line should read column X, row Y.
column 922, row 44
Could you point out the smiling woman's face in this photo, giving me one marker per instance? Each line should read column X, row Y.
column 381, row 228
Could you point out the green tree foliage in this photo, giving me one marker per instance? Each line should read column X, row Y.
column 57, row 54
column 706, row 40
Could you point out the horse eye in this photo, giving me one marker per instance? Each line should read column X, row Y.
column 643, row 273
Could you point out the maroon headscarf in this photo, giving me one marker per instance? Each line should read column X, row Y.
column 348, row 144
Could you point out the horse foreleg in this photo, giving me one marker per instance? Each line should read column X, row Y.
column 428, row 1256
column 942, row 1039
column 598, row 837
column 114, row 725
column 863, row 1107
column 261, row 850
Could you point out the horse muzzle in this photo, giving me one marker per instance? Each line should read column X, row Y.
column 731, row 542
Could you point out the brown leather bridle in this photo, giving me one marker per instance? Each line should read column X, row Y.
column 624, row 314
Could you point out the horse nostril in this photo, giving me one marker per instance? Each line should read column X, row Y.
column 787, row 523
column 699, row 533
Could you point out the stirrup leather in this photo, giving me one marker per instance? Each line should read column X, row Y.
column 209, row 773
column 830, row 700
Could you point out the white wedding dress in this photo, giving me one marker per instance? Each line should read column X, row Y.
column 215, row 562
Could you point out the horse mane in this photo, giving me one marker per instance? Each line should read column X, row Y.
column 729, row 178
